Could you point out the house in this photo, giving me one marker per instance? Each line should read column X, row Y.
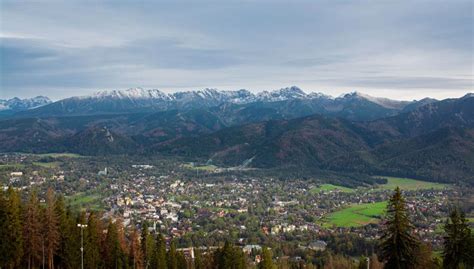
column 318, row 245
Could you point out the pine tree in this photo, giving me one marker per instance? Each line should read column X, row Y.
column 32, row 232
column 171, row 257
column 230, row 257
column 60, row 209
column 4, row 230
column 399, row 246
column 159, row 258
column 113, row 253
column 11, row 237
column 50, row 229
column 458, row 242
column 267, row 262
column 181, row 260
column 144, row 245
column 136, row 256
column 198, row 259
column 92, row 241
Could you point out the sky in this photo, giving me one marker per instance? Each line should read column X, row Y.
column 397, row 49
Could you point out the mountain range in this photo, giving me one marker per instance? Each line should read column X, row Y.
column 14, row 105
column 354, row 105
column 353, row 133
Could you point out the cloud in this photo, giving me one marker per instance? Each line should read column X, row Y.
column 74, row 48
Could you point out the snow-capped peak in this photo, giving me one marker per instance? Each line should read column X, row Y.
column 18, row 104
column 132, row 93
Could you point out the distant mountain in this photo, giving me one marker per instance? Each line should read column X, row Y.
column 13, row 105
column 292, row 100
column 353, row 133
column 434, row 142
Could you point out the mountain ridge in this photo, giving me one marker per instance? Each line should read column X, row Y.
column 135, row 100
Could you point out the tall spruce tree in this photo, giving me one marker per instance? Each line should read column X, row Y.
column 172, row 258
column 458, row 242
column 136, row 256
column 113, row 255
column 11, row 237
column 32, row 232
column 230, row 257
column 145, row 236
column 399, row 247
column 267, row 262
column 159, row 257
column 92, row 242
column 4, row 230
column 50, row 228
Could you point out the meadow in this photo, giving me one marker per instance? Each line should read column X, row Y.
column 330, row 187
column 410, row 184
column 356, row 215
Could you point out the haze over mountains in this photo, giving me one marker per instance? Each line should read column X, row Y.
column 355, row 132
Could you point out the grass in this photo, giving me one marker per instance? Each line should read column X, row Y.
column 208, row 168
column 330, row 187
column 410, row 184
column 357, row 215
column 12, row 166
column 48, row 164
column 57, row 155
column 83, row 200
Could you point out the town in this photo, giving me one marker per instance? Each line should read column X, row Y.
column 203, row 205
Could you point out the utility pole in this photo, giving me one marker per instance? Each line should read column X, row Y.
column 368, row 263
column 82, row 226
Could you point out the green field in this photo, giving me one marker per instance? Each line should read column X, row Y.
column 356, row 215
column 47, row 165
column 330, row 187
column 57, row 155
column 208, row 168
column 12, row 166
column 410, row 184
column 83, row 200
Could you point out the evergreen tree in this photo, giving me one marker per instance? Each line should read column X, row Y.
column 60, row 209
column 171, row 258
column 181, row 260
column 198, row 259
column 267, row 262
column 32, row 232
column 92, row 241
column 113, row 254
column 230, row 257
column 4, row 230
column 145, row 238
column 458, row 242
column 136, row 256
column 399, row 246
column 50, row 229
column 160, row 253
column 11, row 238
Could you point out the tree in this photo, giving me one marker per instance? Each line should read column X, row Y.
column 399, row 246
column 136, row 256
column 50, row 229
column 32, row 231
column 458, row 242
column 171, row 258
column 159, row 257
column 181, row 260
column 11, row 238
column 145, row 239
column 230, row 257
column 198, row 259
column 267, row 262
column 113, row 251
column 92, row 241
